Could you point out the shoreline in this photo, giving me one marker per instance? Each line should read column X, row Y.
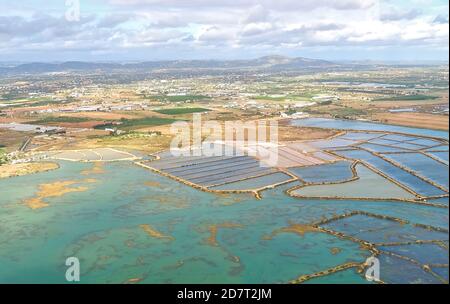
column 16, row 170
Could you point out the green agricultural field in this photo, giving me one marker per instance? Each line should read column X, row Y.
column 180, row 111
column 59, row 119
column 127, row 124
column 36, row 102
column 407, row 97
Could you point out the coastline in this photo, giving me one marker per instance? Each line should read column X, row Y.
column 10, row 170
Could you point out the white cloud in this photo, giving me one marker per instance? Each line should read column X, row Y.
column 221, row 25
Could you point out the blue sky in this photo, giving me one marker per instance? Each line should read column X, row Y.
column 111, row 30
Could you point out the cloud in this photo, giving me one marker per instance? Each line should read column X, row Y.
column 113, row 20
column 396, row 15
column 268, row 4
column 221, row 26
column 279, row 5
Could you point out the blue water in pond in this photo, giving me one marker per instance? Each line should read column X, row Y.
column 334, row 172
column 367, row 126
column 100, row 224
column 129, row 224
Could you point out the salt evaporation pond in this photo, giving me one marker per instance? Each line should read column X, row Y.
column 128, row 224
column 341, row 124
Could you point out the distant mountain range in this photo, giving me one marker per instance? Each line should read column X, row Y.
column 268, row 63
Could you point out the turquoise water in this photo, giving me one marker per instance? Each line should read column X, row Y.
column 199, row 237
column 367, row 126
column 100, row 226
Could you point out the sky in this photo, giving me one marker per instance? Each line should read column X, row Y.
column 137, row 30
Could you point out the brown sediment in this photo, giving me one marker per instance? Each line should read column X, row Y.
column 231, row 200
column 299, row 229
column 164, row 200
column 155, row 233
column 335, row 250
column 36, row 203
column 12, row 170
column 213, row 229
column 55, row 189
column 153, row 184
column 96, row 169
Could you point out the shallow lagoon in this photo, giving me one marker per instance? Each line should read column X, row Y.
column 192, row 236
column 101, row 227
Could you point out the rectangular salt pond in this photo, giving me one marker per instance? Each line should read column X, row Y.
column 423, row 165
column 110, row 155
column 413, row 182
column 443, row 156
column 424, row 142
column 324, row 156
column 384, row 141
column 222, row 164
column 377, row 230
column 291, row 158
column 229, row 176
column 369, row 185
column 91, row 155
column 410, row 146
column 399, row 137
column 255, row 183
column 360, row 136
column 176, row 162
column 379, row 148
column 332, row 143
column 423, row 253
column 399, row 271
column 334, row 172
column 191, row 174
